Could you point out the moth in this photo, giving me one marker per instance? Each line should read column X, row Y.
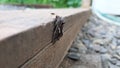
column 58, row 24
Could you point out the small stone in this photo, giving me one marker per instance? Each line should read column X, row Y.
column 86, row 42
column 74, row 56
column 112, row 66
column 98, row 32
column 91, row 33
column 82, row 48
column 113, row 60
column 103, row 50
column 106, row 56
column 97, row 48
column 90, row 47
column 118, row 52
column 117, row 35
column 77, row 40
column 107, row 39
column 109, row 50
column 116, row 56
column 118, row 47
column 113, row 44
column 118, row 63
column 74, row 44
column 74, row 49
column 80, row 44
column 113, row 47
column 118, row 42
column 98, row 41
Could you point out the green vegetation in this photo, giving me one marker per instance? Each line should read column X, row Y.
column 54, row 3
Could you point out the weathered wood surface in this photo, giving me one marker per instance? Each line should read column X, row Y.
column 25, row 37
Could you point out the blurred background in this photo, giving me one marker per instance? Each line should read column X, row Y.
column 44, row 3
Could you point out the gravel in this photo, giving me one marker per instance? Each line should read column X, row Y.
column 100, row 37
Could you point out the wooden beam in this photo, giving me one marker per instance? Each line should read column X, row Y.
column 26, row 34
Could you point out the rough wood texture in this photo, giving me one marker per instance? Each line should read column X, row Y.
column 53, row 54
column 25, row 37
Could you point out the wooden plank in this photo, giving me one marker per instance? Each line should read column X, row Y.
column 22, row 41
column 52, row 55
